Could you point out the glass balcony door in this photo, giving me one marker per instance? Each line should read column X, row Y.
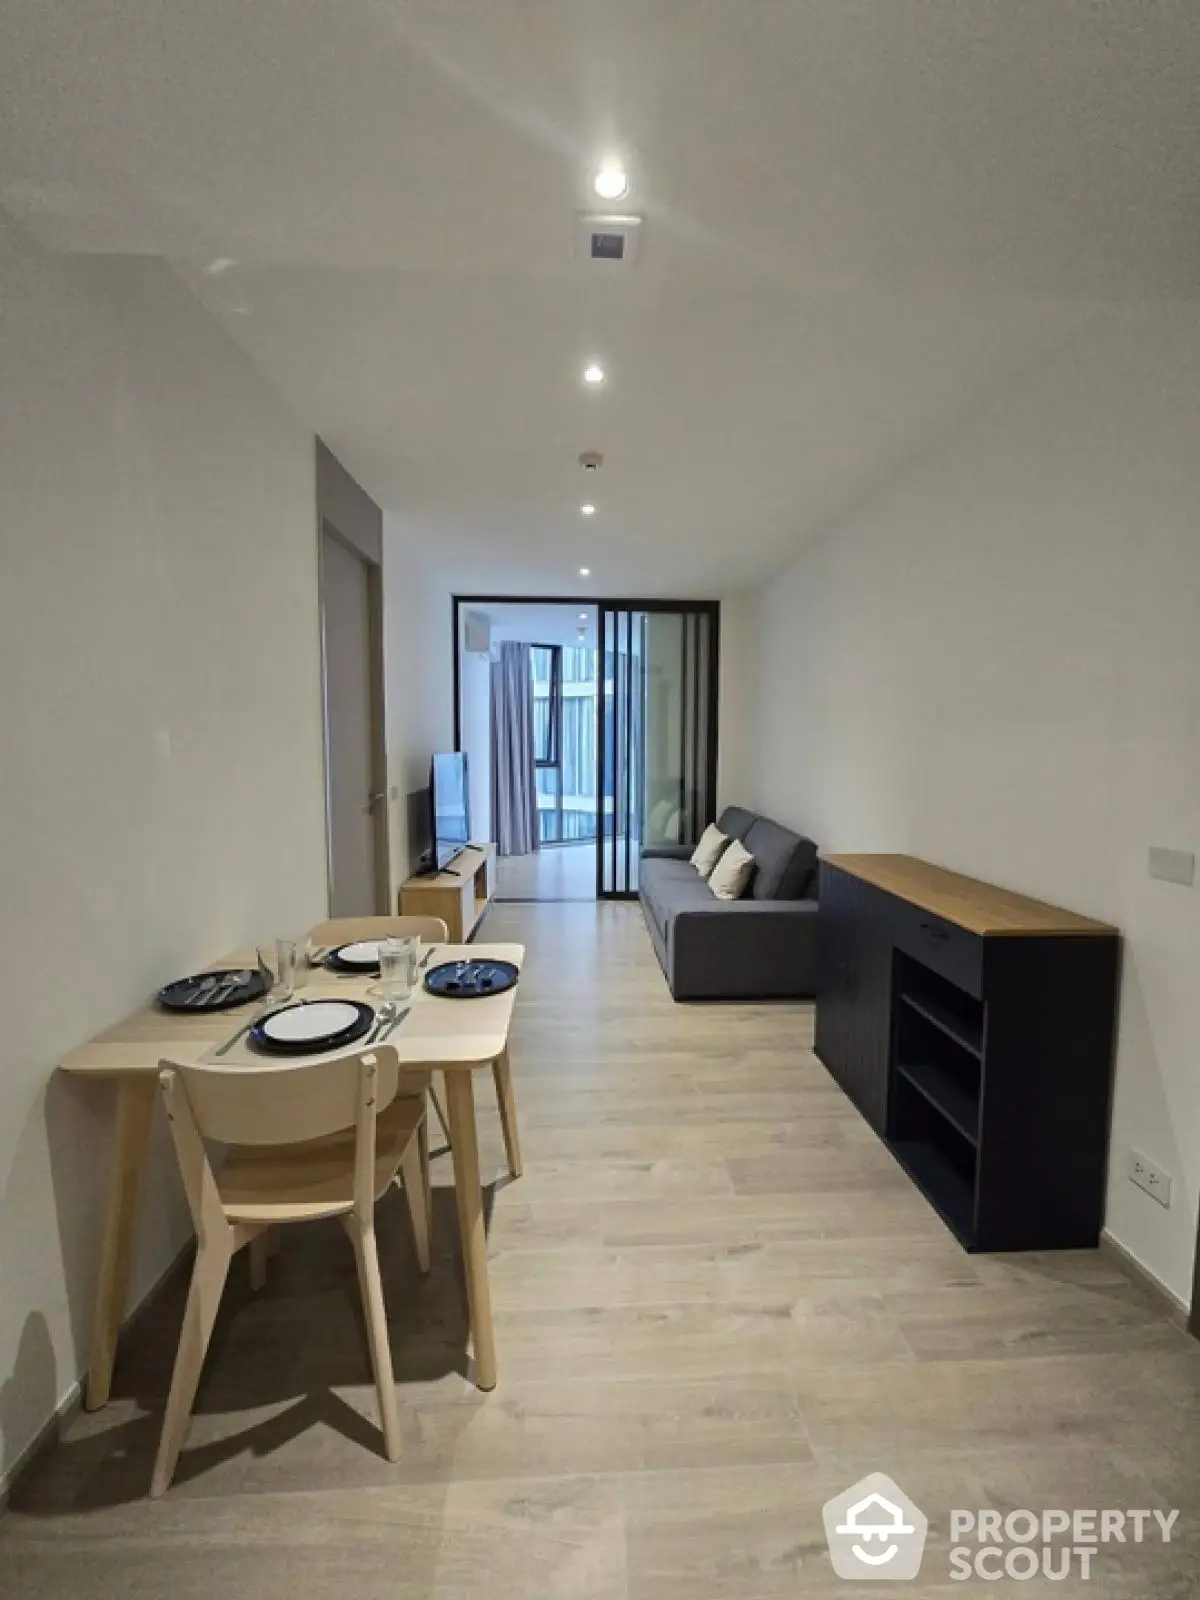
column 657, row 728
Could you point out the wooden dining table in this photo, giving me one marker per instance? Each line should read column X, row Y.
column 455, row 1037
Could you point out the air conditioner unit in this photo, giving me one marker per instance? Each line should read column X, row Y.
column 477, row 634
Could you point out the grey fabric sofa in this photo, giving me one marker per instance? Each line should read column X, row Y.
column 762, row 947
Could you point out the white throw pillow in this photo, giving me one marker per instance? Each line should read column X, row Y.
column 732, row 872
column 673, row 827
column 708, row 852
column 658, row 819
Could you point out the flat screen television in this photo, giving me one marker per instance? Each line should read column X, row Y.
column 451, row 807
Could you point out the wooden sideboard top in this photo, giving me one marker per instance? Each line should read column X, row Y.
column 979, row 907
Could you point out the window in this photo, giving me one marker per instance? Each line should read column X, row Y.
column 546, row 665
column 564, row 710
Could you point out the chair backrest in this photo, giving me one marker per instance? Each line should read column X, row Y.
column 287, row 1104
column 345, row 930
column 274, row 1106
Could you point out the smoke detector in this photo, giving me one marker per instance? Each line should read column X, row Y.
column 591, row 461
column 612, row 240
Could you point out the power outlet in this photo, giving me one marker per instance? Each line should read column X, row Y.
column 1152, row 1179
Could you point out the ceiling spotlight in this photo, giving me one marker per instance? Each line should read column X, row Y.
column 583, row 616
column 611, row 182
column 588, row 509
column 585, row 572
column 593, row 373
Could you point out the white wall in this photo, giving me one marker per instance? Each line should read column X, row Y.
column 475, row 702
column 996, row 666
column 160, row 725
column 736, row 687
column 418, row 667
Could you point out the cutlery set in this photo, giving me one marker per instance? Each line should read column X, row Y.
column 387, row 1020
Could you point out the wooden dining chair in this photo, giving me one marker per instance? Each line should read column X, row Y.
column 344, row 930
column 326, row 1139
column 429, row 930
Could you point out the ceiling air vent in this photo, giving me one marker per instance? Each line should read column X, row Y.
column 610, row 240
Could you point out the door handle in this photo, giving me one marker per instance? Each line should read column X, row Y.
column 374, row 799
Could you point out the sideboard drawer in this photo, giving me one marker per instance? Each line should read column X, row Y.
column 953, row 951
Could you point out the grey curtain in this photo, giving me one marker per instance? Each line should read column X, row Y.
column 514, row 773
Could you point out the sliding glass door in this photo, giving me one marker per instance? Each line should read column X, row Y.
column 657, row 721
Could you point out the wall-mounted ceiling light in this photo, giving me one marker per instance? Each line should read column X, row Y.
column 611, row 182
column 588, row 509
column 585, row 572
column 593, row 374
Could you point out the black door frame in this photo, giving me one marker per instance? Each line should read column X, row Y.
column 709, row 608
column 687, row 609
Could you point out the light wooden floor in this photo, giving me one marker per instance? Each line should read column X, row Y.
column 718, row 1303
column 558, row 872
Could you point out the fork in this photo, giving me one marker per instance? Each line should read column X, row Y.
column 394, row 1022
column 227, row 987
column 385, row 1017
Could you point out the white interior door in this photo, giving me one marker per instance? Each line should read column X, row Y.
column 354, row 781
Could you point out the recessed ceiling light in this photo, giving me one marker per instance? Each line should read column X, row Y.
column 593, row 373
column 588, row 509
column 585, row 572
column 611, row 182
column 583, row 616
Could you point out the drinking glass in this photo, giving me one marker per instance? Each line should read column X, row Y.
column 288, row 967
column 397, row 967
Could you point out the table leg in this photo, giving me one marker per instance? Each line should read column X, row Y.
column 136, row 1095
column 502, row 1073
column 439, row 1108
column 460, row 1106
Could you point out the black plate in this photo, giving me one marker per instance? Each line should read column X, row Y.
column 361, row 969
column 471, row 980
column 348, row 1035
column 198, row 992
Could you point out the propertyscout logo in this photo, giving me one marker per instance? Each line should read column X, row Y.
column 876, row 1532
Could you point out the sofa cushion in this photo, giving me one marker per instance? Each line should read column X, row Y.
column 665, row 884
column 786, row 861
column 708, row 852
column 731, row 876
column 735, row 822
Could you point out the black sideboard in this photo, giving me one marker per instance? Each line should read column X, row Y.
column 974, row 1029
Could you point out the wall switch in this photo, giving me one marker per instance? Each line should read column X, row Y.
column 1173, row 866
column 1152, row 1179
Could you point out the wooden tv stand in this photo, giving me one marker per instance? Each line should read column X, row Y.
column 460, row 895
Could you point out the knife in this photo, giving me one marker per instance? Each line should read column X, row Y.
column 260, row 1015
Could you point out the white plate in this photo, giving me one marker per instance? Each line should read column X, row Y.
column 319, row 1020
column 363, row 954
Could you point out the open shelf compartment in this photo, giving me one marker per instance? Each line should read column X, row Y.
column 954, row 1013
column 949, row 1188
column 934, row 1091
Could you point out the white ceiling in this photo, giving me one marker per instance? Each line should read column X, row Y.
column 863, row 219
